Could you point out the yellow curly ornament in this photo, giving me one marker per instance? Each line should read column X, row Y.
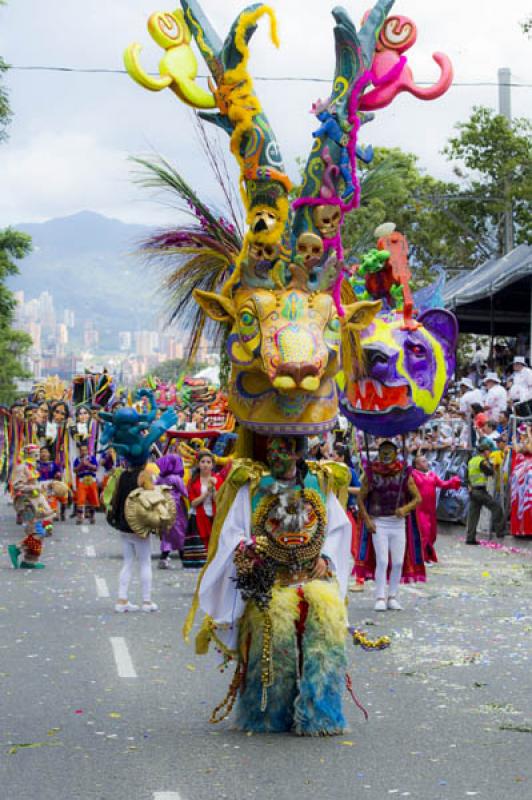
column 178, row 67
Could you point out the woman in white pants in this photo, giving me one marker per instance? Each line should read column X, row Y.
column 132, row 545
column 387, row 496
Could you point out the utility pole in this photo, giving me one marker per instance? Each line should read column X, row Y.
column 505, row 110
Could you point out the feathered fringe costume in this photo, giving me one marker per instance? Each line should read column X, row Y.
column 291, row 662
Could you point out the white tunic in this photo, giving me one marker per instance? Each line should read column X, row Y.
column 521, row 390
column 219, row 596
column 469, row 399
column 496, row 401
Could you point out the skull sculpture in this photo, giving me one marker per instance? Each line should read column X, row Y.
column 309, row 248
column 327, row 220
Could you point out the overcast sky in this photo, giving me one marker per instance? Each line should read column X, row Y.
column 72, row 133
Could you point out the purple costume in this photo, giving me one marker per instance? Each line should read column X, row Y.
column 172, row 471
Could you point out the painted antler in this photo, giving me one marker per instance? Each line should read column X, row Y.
column 263, row 179
column 330, row 185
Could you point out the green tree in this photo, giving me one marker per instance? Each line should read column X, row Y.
column 455, row 224
column 13, row 344
column 5, row 111
column 497, row 154
column 427, row 210
column 13, row 245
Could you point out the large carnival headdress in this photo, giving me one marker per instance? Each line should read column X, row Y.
column 282, row 300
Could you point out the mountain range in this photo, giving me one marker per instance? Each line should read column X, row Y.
column 90, row 264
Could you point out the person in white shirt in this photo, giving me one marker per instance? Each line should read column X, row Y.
column 521, row 385
column 469, row 397
column 496, row 399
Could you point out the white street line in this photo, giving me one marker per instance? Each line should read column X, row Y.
column 166, row 796
column 124, row 664
column 101, row 587
column 413, row 590
column 90, row 551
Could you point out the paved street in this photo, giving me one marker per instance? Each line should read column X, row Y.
column 450, row 702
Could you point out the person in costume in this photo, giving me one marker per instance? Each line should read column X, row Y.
column 428, row 483
column 131, row 436
column 87, row 498
column 274, row 592
column 171, row 474
column 202, row 488
column 33, row 511
column 390, row 537
column 49, row 477
column 134, row 546
column 521, row 488
column 479, row 470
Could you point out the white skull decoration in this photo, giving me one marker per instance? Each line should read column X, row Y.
column 258, row 251
column 327, row 220
column 310, row 248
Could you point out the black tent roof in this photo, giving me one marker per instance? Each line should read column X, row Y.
column 495, row 298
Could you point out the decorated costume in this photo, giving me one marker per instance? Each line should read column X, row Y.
column 171, row 474
column 200, row 519
column 291, row 322
column 390, row 548
column 131, row 435
column 266, row 608
column 87, row 497
column 521, row 494
column 428, row 483
column 33, row 511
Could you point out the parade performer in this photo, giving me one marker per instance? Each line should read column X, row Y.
column 390, row 535
column 202, row 487
column 276, row 296
column 131, row 436
column 52, row 481
column 274, row 592
column 33, row 510
column 87, row 498
column 521, row 490
column 427, row 483
column 171, row 472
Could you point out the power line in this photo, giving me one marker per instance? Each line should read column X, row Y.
column 265, row 78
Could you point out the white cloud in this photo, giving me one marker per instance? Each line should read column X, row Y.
column 72, row 133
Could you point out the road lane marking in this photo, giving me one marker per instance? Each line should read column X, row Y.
column 90, row 551
column 166, row 796
column 413, row 590
column 124, row 664
column 101, row 587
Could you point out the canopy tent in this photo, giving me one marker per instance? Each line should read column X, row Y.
column 495, row 299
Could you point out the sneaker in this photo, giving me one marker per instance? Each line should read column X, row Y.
column 121, row 608
column 150, row 607
column 163, row 564
column 380, row 605
column 394, row 605
column 471, row 542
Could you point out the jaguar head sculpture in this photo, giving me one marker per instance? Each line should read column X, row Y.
column 284, row 348
column 406, row 372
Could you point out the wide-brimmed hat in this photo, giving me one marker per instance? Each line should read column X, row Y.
column 519, row 360
column 466, row 382
column 491, row 376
